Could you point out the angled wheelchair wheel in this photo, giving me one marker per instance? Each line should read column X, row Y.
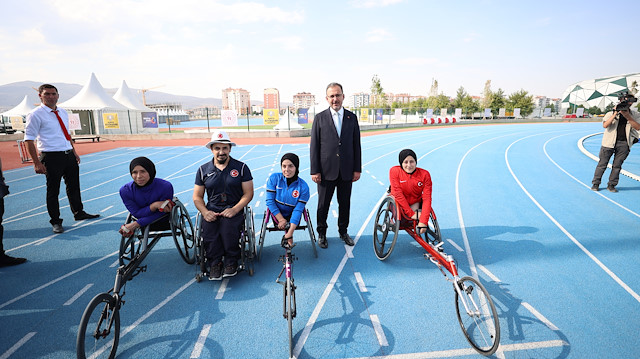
column 182, row 232
column 432, row 235
column 130, row 247
column 263, row 234
column 385, row 228
column 312, row 234
column 248, row 241
column 477, row 315
column 99, row 330
column 201, row 266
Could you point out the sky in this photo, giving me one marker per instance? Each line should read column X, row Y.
column 200, row 47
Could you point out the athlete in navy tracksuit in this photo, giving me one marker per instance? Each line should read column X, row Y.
column 287, row 195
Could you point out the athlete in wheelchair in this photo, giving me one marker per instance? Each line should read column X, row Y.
column 153, row 213
column 287, row 196
column 225, row 223
column 407, row 207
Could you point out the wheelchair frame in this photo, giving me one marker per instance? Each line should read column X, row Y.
column 133, row 251
column 247, row 243
column 269, row 218
column 475, row 310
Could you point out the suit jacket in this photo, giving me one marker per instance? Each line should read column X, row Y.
column 335, row 156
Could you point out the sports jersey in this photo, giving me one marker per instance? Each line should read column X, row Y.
column 224, row 187
column 138, row 199
column 410, row 188
column 288, row 200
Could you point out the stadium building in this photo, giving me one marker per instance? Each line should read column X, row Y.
column 599, row 92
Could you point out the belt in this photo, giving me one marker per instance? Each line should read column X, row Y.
column 58, row 152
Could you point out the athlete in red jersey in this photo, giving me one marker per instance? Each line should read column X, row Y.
column 411, row 187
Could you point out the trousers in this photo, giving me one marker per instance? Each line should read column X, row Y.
column 61, row 165
column 621, row 151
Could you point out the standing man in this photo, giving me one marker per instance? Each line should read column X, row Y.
column 5, row 260
column 229, row 188
column 58, row 159
column 336, row 161
column 621, row 132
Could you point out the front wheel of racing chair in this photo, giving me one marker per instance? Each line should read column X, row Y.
column 182, row 232
column 385, row 228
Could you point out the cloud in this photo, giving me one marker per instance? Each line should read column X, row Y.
column 290, row 43
column 367, row 4
column 378, row 35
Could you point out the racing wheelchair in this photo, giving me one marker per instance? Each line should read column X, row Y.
column 247, row 243
column 99, row 330
column 475, row 310
column 270, row 224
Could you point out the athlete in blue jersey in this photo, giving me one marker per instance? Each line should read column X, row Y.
column 287, row 195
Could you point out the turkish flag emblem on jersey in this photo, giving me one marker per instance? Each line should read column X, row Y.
column 295, row 194
column 234, row 173
column 419, row 184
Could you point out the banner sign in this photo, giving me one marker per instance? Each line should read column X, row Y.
column 16, row 123
column 487, row 112
column 303, row 115
column 579, row 111
column 270, row 116
column 110, row 121
column 458, row 113
column 229, row 118
column 398, row 114
column 379, row 115
column 429, row 113
column 501, row 112
column 547, row 112
column 149, row 119
column 443, row 112
column 516, row 112
column 364, row 114
column 74, row 121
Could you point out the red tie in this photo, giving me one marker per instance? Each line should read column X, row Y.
column 64, row 129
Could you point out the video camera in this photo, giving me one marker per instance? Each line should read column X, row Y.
column 626, row 99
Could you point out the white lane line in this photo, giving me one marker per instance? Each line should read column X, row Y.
column 257, row 204
column 335, row 214
column 382, row 184
column 106, row 209
column 261, row 194
column 363, row 288
column 596, row 158
column 539, row 315
column 469, row 351
column 56, row 280
column 197, row 349
column 372, row 176
column 222, row 289
column 17, row 345
column 489, row 274
column 77, row 295
column 455, row 245
column 382, row 339
column 564, row 230
column 115, row 263
column 323, row 299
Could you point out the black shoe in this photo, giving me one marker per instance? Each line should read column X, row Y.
column 612, row 189
column 322, row 241
column 230, row 270
column 595, row 187
column 57, row 228
column 347, row 240
column 215, row 273
column 6, row 261
column 84, row 215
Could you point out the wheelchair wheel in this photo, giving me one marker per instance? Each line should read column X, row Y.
column 201, row 267
column 312, row 234
column 263, row 233
column 99, row 330
column 130, row 247
column 248, row 245
column 432, row 235
column 385, row 228
column 182, row 232
column 477, row 316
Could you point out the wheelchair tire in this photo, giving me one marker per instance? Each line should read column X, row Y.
column 263, row 234
column 432, row 235
column 248, row 243
column 200, row 260
column 182, row 232
column 481, row 327
column 385, row 228
column 96, row 338
column 312, row 235
column 130, row 247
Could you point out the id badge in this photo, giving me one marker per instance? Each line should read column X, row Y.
column 223, row 198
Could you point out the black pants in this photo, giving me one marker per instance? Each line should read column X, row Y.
column 621, row 151
column 221, row 238
column 62, row 165
column 325, row 193
column 1, row 227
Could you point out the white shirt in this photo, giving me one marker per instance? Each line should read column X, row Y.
column 42, row 125
column 337, row 121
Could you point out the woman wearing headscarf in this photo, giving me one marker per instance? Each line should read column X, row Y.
column 411, row 188
column 287, row 195
column 147, row 198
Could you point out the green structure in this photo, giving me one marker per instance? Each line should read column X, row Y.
column 599, row 92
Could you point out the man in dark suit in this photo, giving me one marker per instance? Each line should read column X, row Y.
column 336, row 161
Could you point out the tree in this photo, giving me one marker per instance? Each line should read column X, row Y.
column 377, row 93
column 464, row 101
column 497, row 101
column 434, row 88
column 522, row 100
column 486, row 94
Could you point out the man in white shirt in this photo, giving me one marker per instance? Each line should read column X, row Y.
column 58, row 159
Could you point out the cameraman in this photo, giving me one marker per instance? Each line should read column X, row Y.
column 621, row 132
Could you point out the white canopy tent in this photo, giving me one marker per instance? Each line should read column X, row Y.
column 91, row 103
column 20, row 110
column 127, row 98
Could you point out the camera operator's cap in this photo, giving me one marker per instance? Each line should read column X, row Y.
column 219, row 137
